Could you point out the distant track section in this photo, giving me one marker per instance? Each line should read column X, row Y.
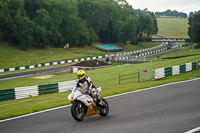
column 35, row 72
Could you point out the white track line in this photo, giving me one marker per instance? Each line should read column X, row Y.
column 193, row 130
column 105, row 97
column 34, row 113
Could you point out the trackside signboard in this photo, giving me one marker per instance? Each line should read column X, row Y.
column 165, row 40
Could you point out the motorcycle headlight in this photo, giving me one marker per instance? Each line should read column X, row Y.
column 72, row 98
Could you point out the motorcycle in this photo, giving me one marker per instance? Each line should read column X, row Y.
column 83, row 105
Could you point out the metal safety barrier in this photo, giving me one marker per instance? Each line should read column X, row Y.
column 31, row 91
column 174, row 70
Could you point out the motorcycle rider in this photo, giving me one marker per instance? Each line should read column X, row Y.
column 85, row 82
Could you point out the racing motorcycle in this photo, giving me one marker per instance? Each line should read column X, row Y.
column 84, row 105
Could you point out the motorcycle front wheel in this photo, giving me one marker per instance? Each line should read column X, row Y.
column 104, row 110
column 78, row 111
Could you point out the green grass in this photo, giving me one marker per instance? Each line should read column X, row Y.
column 173, row 27
column 189, row 52
column 24, row 106
column 12, row 57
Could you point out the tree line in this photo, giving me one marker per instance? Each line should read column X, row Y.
column 194, row 28
column 41, row 23
column 192, row 13
column 169, row 13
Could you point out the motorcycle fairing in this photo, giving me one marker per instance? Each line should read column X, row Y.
column 91, row 110
column 85, row 99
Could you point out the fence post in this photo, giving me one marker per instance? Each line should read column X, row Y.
column 119, row 78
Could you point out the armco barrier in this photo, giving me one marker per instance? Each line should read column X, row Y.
column 174, row 70
column 182, row 68
column 8, row 94
column 31, row 91
column 45, row 89
column 159, row 73
column 194, row 65
column 168, row 71
column 24, row 92
column 66, row 86
column 188, row 67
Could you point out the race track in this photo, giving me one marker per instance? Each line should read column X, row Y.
column 34, row 72
column 173, row 108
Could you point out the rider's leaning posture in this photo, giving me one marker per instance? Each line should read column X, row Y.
column 88, row 87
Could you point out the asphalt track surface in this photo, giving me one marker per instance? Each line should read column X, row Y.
column 161, row 54
column 34, row 72
column 172, row 108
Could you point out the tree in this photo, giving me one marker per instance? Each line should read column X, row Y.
column 112, row 20
column 146, row 26
column 170, row 13
column 25, row 32
column 194, row 28
column 155, row 24
column 128, row 30
column 191, row 14
column 1, row 20
column 31, row 6
column 42, row 32
column 39, row 23
column 16, row 27
column 96, row 15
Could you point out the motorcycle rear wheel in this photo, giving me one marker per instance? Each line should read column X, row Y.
column 78, row 111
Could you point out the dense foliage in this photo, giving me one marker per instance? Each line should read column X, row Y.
column 39, row 23
column 169, row 13
column 192, row 13
column 194, row 28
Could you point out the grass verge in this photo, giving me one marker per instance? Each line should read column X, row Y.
column 188, row 52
